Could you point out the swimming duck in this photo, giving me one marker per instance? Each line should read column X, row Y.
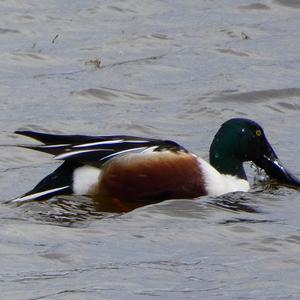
column 130, row 168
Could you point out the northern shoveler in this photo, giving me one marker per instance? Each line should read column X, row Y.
column 145, row 170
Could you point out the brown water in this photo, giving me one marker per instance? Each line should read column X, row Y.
column 169, row 69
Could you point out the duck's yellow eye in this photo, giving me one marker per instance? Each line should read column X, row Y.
column 258, row 132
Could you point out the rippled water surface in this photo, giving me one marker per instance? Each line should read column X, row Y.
column 166, row 69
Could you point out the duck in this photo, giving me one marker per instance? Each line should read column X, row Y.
column 126, row 169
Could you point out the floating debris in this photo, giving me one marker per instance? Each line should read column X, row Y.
column 96, row 62
column 244, row 36
column 53, row 40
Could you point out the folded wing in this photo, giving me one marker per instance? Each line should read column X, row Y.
column 96, row 150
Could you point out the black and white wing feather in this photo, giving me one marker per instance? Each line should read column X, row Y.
column 96, row 150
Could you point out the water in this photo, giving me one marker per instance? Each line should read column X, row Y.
column 169, row 69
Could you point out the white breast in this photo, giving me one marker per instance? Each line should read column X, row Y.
column 218, row 184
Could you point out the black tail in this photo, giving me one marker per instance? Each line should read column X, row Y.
column 58, row 182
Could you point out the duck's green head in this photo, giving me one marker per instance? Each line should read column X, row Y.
column 239, row 140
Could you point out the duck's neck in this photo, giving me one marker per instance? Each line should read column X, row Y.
column 228, row 165
column 222, row 156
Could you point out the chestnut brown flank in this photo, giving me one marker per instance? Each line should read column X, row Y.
column 153, row 177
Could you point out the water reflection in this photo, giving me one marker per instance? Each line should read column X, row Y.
column 236, row 202
column 71, row 210
column 64, row 210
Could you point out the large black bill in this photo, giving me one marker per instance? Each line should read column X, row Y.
column 274, row 168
